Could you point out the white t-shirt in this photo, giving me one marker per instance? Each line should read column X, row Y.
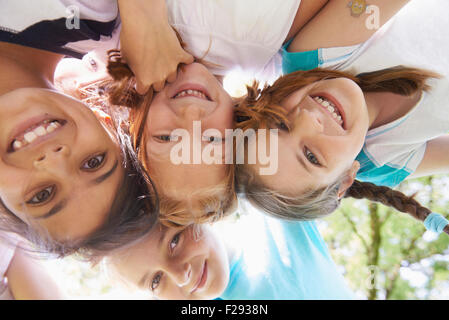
column 417, row 37
column 234, row 34
column 70, row 27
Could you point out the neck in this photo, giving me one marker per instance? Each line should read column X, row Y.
column 26, row 67
column 386, row 107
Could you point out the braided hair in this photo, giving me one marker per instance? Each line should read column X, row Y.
column 390, row 198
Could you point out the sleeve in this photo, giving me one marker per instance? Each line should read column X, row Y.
column 331, row 58
column 389, row 174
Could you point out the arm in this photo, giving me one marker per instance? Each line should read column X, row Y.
column 306, row 11
column 149, row 44
column 28, row 280
column 436, row 158
column 334, row 26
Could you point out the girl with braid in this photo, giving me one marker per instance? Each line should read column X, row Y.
column 324, row 118
column 382, row 126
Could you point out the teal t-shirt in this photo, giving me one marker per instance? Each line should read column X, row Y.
column 283, row 260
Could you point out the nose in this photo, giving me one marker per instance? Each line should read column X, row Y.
column 308, row 122
column 53, row 158
column 181, row 273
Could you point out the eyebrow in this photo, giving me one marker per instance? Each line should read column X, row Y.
column 106, row 175
column 58, row 207
column 144, row 280
column 63, row 203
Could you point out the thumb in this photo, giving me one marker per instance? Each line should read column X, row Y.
column 141, row 88
column 187, row 58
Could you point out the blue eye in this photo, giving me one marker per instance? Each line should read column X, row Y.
column 166, row 138
column 174, row 242
column 42, row 196
column 93, row 162
column 311, row 157
column 156, row 281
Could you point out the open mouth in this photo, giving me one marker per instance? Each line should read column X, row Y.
column 192, row 92
column 202, row 278
column 332, row 107
column 35, row 133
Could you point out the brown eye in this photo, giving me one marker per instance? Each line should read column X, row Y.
column 213, row 139
column 42, row 196
column 311, row 157
column 93, row 162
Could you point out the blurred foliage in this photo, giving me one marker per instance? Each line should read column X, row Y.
column 386, row 254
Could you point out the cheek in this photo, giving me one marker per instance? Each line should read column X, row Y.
column 12, row 180
column 223, row 118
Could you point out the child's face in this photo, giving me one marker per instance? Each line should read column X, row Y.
column 174, row 264
column 208, row 104
column 320, row 146
column 64, row 178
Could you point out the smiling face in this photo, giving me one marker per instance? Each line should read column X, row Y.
column 195, row 96
column 59, row 167
column 176, row 264
column 328, row 123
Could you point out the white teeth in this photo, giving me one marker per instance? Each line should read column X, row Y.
column 196, row 93
column 40, row 131
column 330, row 107
column 17, row 144
column 30, row 137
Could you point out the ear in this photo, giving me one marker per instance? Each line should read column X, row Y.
column 348, row 180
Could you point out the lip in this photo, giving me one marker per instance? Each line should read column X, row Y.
column 336, row 104
column 202, row 279
column 23, row 126
column 191, row 86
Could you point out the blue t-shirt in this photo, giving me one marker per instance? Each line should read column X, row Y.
column 282, row 260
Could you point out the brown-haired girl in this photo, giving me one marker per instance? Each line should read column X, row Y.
column 323, row 117
column 406, row 136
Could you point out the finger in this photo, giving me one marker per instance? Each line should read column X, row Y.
column 141, row 88
column 172, row 77
column 158, row 86
column 187, row 58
